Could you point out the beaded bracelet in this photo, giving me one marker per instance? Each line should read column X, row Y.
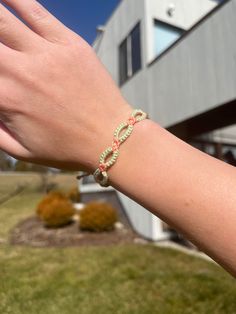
column 100, row 174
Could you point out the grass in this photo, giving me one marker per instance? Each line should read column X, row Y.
column 129, row 279
column 15, row 210
column 24, row 204
column 9, row 182
column 119, row 279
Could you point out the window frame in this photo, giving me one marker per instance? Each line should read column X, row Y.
column 130, row 72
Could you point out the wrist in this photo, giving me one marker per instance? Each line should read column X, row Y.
column 121, row 174
column 109, row 155
column 100, row 136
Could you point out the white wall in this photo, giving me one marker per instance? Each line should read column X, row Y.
column 185, row 14
column 145, row 223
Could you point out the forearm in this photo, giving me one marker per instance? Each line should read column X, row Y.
column 68, row 127
column 185, row 187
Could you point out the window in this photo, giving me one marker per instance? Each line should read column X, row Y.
column 135, row 49
column 130, row 55
column 164, row 36
column 123, row 60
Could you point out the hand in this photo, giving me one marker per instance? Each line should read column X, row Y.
column 58, row 105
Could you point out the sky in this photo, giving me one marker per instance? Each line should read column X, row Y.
column 83, row 16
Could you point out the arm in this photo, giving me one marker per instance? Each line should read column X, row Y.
column 185, row 187
column 59, row 107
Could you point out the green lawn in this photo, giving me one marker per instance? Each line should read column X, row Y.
column 131, row 279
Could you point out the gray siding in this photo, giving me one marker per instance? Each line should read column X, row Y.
column 117, row 28
column 197, row 75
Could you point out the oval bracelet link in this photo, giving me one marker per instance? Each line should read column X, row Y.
column 106, row 154
column 126, row 134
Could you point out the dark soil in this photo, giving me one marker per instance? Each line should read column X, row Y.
column 32, row 232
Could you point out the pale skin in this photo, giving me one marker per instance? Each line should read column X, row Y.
column 59, row 107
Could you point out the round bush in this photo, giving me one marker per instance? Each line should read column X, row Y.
column 47, row 200
column 55, row 210
column 74, row 195
column 97, row 217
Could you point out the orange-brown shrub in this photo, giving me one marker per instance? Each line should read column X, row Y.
column 48, row 199
column 97, row 216
column 74, row 195
column 55, row 210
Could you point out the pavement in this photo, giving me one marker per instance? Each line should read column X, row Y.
column 181, row 248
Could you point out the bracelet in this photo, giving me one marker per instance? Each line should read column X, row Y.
column 100, row 174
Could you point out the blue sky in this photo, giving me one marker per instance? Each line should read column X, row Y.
column 82, row 15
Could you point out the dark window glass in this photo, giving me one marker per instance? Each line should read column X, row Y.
column 123, row 62
column 130, row 55
column 136, row 49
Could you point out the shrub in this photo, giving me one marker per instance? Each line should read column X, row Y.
column 74, row 195
column 55, row 210
column 98, row 217
column 47, row 200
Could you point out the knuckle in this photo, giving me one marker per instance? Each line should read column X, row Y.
column 80, row 47
column 38, row 12
column 3, row 25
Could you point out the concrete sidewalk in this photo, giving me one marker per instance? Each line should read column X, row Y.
column 181, row 248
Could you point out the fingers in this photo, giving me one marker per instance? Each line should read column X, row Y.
column 39, row 19
column 14, row 33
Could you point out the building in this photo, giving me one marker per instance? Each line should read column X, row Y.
column 175, row 59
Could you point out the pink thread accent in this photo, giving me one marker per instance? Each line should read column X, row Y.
column 131, row 121
column 102, row 167
column 115, row 144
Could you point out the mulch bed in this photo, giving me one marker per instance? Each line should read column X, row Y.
column 32, row 232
